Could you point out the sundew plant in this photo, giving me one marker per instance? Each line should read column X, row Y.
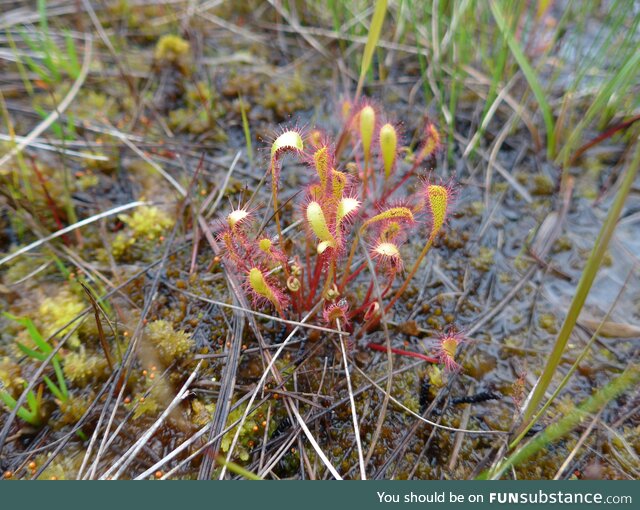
column 356, row 215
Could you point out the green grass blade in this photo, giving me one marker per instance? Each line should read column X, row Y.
column 42, row 14
column 36, row 336
column 567, row 377
column 72, row 63
column 30, row 416
column 569, row 422
column 31, row 353
column 246, row 129
column 375, row 28
column 55, row 126
column 62, row 384
column 49, row 63
column 33, row 401
column 623, row 77
column 8, row 400
column 38, row 69
column 584, row 286
column 422, row 61
column 29, row 42
column 529, row 74
column 53, row 388
column 237, row 469
column 21, row 69
column 31, row 328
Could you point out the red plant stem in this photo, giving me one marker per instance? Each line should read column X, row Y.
column 402, row 352
column 352, row 252
column 607, row 134
column 314, row 282
column 353, row 275
column 358, row 310
column 374, row 320
column 411, row 172
column 365, row 172
column 365, row 303
column 299, row 296
column 392, row 277
column 295, row 301
column 50, row 202
column 386, row 195
column 307, row 259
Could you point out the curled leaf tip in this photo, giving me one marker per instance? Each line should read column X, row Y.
column 289, row 140
column 236, row 217
column 388, row 254
column 347, row 206
column 447, row 353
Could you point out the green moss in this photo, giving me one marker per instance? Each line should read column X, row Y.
column 284, row 98
column 476, row 208
column 170, row 344
column 147, row 221
column 10, row 376
column 63, row 467
column 121, row 245
column 404, row 388
column 435, row 376
column 145, row 405
column 79, row 367
column 547, row 321
column 86, row 181
column 92, row 101
column 145, row 225
column 484, row 260
column 249, row 433
column 20, row 268
column 54, row 471
column 57, row 311
column 521, row 264
column 562, row 244
column 173, row 49
column 543, row 185
column 73, row 409
column 200, row 413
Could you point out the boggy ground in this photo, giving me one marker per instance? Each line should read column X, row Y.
column 159, row 118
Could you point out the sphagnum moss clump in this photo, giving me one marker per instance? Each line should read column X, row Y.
column 147, row 222
column 57, row 311
column 173, row 50
column 146, row 225
column 80, row 367
column 171, row 345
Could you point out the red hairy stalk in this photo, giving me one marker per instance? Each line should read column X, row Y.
column 402, row 352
